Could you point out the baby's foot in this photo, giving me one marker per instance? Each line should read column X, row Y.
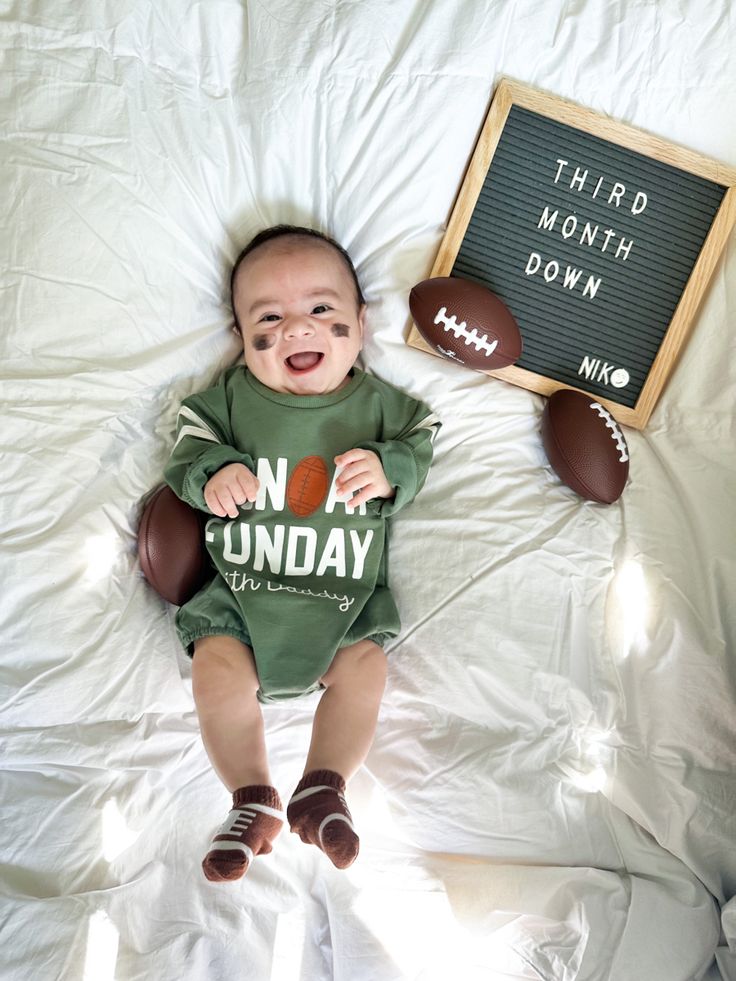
column 317, row 812
column 254, row 822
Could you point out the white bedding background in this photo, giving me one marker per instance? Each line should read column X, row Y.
column 551, row 792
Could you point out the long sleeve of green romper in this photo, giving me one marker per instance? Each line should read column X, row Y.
column 300, row 572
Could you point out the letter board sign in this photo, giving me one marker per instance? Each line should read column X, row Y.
column 598, row 237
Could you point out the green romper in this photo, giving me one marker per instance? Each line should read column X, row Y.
column 301, row 573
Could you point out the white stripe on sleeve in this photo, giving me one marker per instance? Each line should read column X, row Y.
column 429, row 422
column 200, row 430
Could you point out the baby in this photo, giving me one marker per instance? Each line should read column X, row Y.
column 299, row 457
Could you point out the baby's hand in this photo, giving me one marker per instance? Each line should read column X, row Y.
column 229, row 487
column 362, row 472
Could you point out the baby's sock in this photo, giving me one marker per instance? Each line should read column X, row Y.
column 317, row 812
column 254, row 822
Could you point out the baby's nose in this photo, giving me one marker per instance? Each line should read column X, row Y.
column 298, row 327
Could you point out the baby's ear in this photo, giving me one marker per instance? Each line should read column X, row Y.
column 361, row 319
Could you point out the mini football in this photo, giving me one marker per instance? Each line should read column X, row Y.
column 585, row 446
column 171, row 547
column 465, row 322
column 308, row 485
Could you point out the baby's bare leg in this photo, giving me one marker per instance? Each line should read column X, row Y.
column 342, row 733
column 225, row 684
column 345, row 720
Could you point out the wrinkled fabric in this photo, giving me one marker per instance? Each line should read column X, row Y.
column 551, row 790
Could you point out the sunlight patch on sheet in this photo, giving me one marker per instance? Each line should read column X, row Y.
column 116, row 835
column 592, row 781
column 100, row 555
column 378, row 817
column 629, row 605
column 420, row 933
column 288, row 946
column 102, row 948
column 589, row 772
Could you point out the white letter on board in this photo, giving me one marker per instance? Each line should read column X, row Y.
column 578, row 178
column 640, row 196
column 588, row 366
column 562, row 163
column 624, row 248
column 551, row 270
column 548, row 220
column 571, row 277
column 617, row 192
column 591, row 287
column 587, row 233
column 608, row 233
column 569, row 225
column 534, row 260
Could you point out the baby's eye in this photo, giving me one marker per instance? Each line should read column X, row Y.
column 269, row 318
column 321, row 308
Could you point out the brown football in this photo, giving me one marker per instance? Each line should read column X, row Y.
column 585, row 446
column 171, row 547
column 465, row 322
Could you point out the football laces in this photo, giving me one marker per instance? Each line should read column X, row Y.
column 479, row 341
column 615, row 431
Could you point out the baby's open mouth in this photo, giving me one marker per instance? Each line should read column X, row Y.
column 304, row 360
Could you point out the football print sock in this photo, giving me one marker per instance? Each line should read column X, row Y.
column 317, row 812
column 255, row 820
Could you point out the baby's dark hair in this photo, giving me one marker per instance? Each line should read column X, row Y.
column 282, row 231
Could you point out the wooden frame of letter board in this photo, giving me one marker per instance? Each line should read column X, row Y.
column 510, row 94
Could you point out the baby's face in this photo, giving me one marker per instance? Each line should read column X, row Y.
column 302, row 328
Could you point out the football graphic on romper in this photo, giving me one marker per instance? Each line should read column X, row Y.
column 307, row 486
column 171, row 547
column 465, row 322
column 585, row 446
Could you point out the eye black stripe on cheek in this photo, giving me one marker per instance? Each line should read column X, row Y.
column 262, row 342
column 341, row 330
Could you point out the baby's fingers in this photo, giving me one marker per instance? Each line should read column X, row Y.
column 248, row 484
column 352, row 480
column 213, row 502
column 365, row 494
column 227, row 502
column 349, row 471
column 351, row 456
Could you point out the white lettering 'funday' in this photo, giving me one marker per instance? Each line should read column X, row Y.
column 295, row 550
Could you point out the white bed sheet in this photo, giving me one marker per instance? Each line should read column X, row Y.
column 551, row 790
